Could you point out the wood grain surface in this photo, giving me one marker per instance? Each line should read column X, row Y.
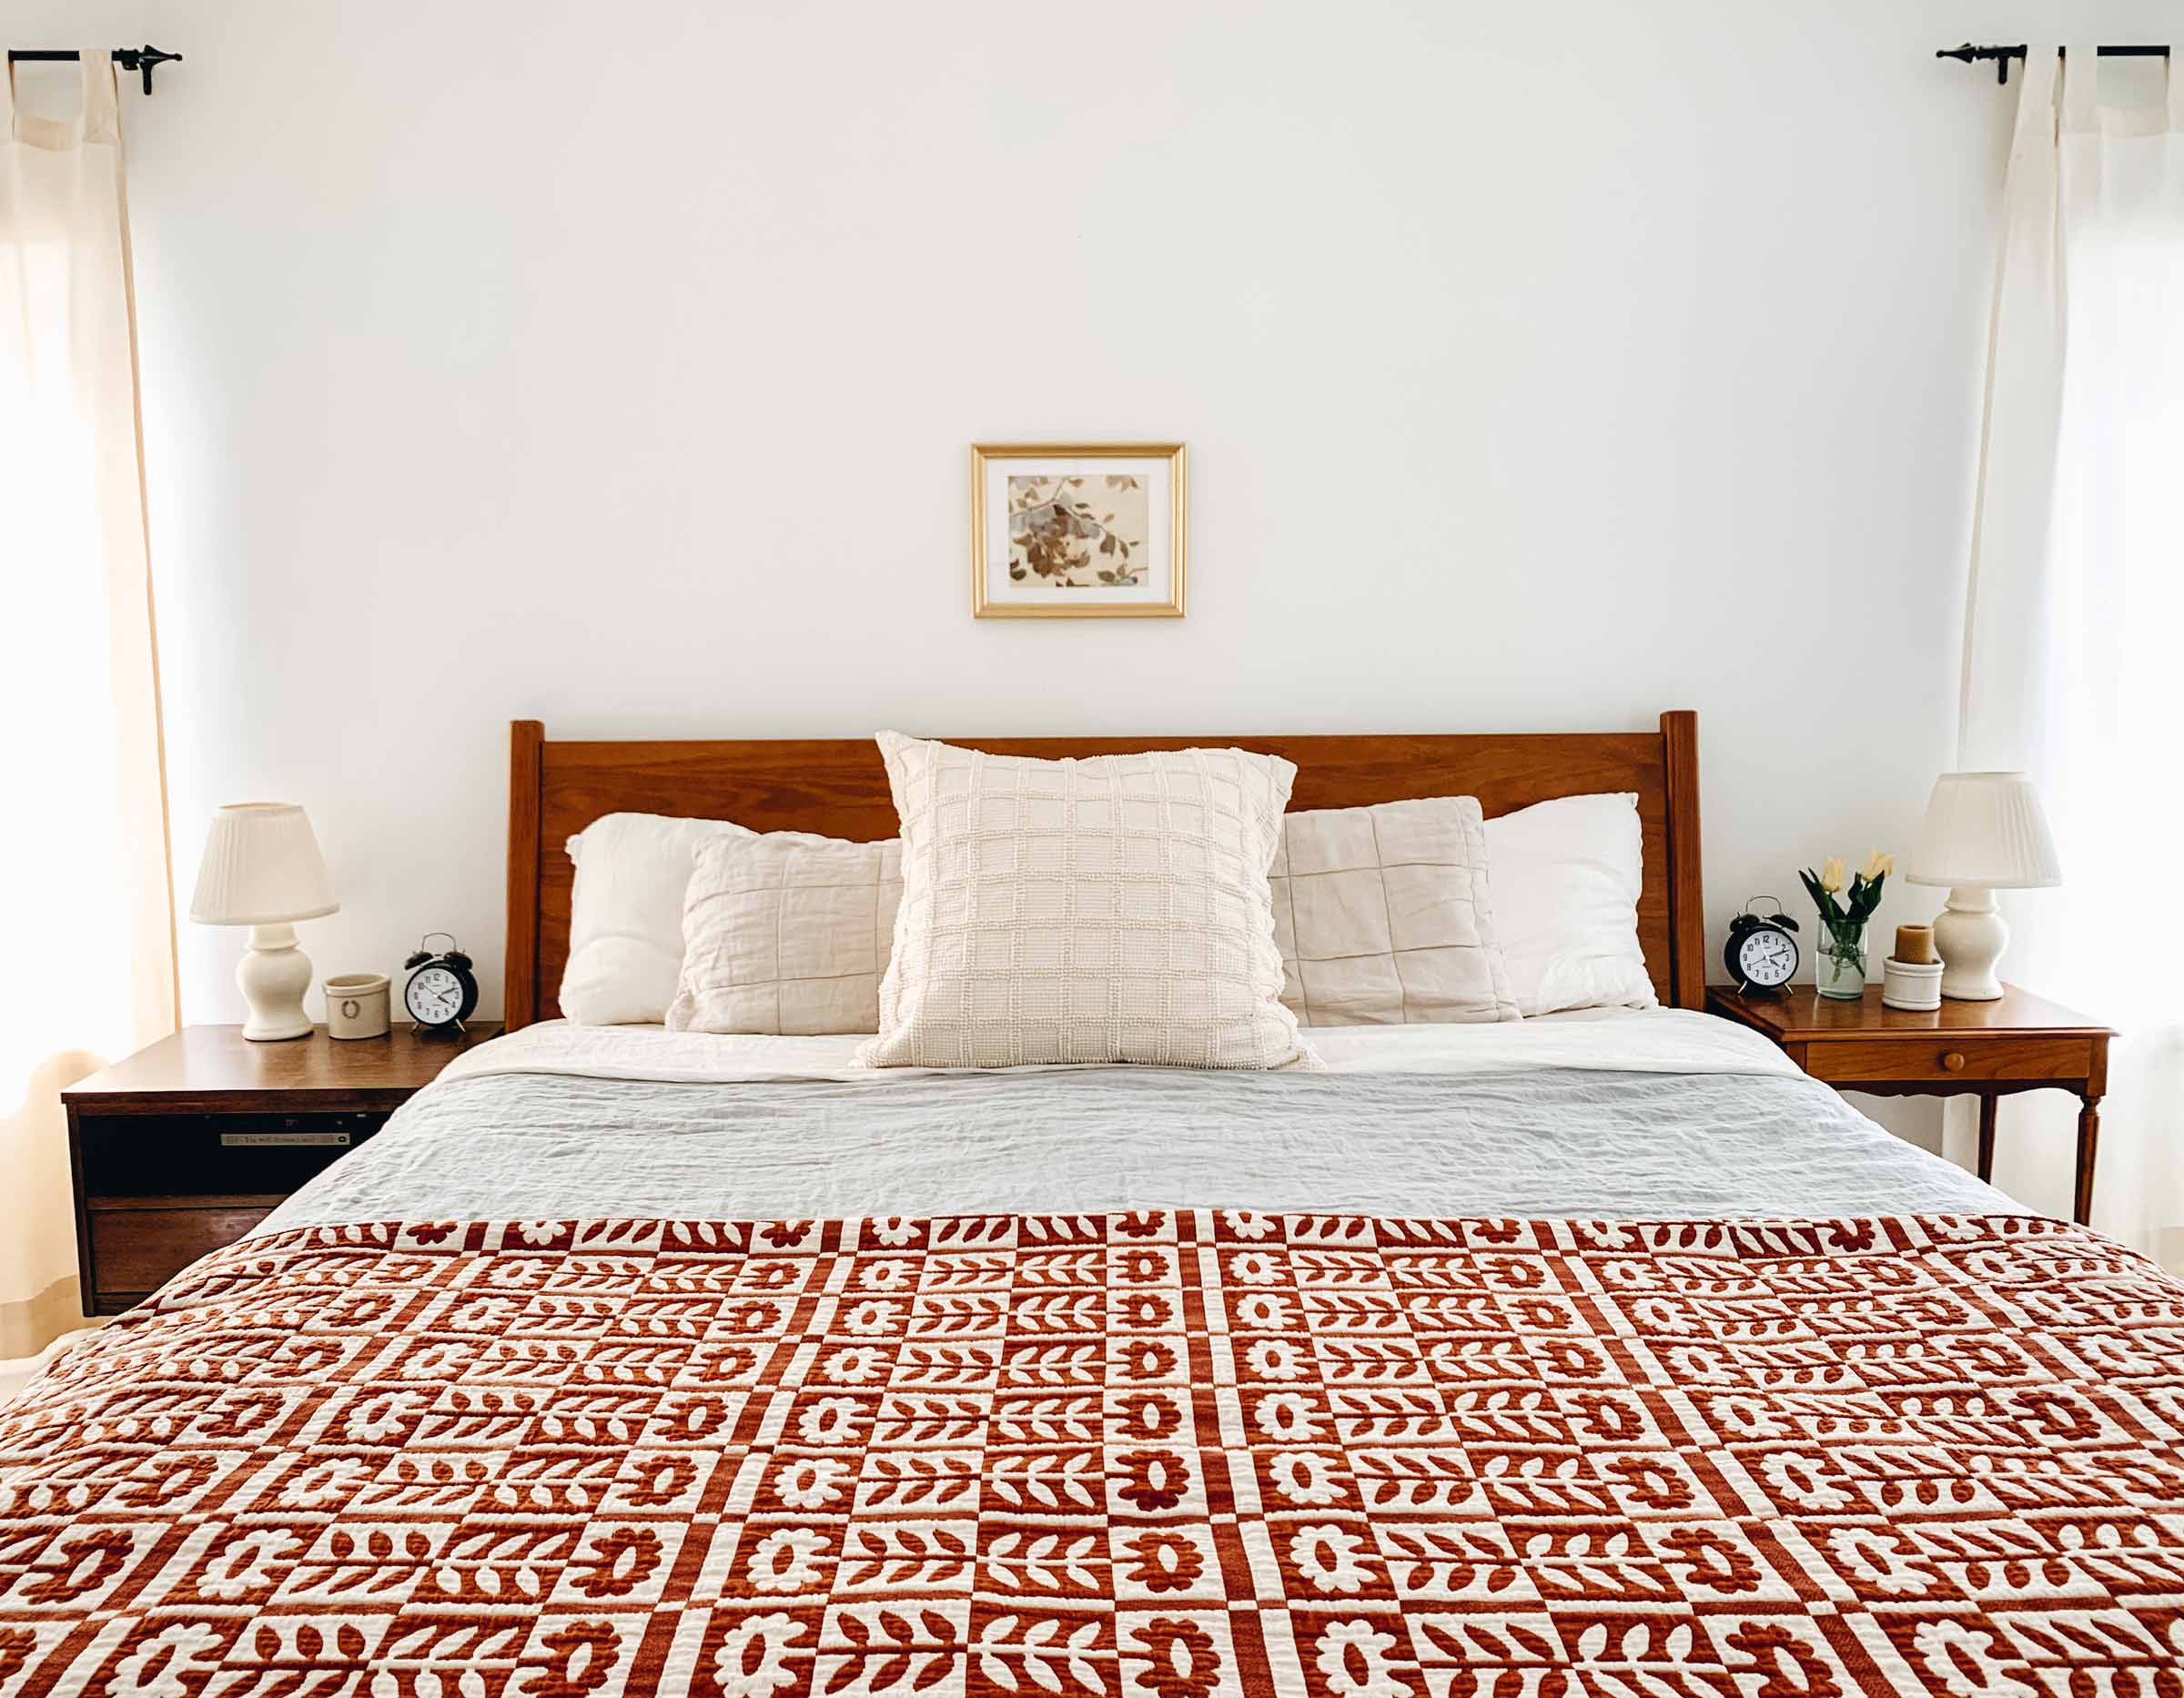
column 214, row 1068
column 838, row 788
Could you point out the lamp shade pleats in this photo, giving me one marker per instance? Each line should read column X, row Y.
column 1985, row 831
column 261, row 866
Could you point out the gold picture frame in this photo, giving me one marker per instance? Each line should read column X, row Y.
column 1049, row 542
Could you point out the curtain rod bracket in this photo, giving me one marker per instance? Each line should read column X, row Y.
column 148, row 59
column 1967, row 54
column 143, row 60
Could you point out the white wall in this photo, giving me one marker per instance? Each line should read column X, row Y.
column 616, row 366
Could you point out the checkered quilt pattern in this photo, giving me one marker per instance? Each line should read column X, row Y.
column 1154, row 1455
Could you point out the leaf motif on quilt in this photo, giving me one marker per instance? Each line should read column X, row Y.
column 1164, row 1454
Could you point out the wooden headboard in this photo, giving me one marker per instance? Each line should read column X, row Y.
column 838, row 788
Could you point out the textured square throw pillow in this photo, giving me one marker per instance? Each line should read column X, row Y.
column 786, row 934
column 1383, row 917
column 1109, row 909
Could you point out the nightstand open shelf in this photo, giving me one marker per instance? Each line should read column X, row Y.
column 1984, row 1049
column 189, row 1143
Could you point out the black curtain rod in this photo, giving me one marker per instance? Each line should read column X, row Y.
column 146, row 59
column 1970, row 55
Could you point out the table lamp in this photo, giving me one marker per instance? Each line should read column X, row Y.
column 1984, row 832
column 262, row 869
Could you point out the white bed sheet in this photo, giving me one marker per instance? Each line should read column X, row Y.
column 1658, row 1114
column 1610, row 1040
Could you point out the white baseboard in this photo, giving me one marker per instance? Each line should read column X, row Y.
column 28, row 1327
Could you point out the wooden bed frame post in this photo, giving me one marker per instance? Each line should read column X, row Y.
column 519, row 969
column 1686, row 900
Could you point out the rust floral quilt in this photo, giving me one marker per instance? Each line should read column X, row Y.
column 1156, row 1455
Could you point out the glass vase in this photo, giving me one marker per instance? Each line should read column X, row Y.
column 1840, row 969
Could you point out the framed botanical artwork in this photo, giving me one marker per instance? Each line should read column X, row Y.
column 1077, row 533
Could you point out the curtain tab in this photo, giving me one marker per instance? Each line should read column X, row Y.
column 102, row 110
column 2081, row 88
column 2036, row 93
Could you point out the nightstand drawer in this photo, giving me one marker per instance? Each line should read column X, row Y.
column 180, row 1155
column 183, row 1147
column 1842, row 1061
column 137, row 1250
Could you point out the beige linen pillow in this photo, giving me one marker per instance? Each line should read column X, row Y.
column 1383, row 918
column 1109, row 909
column 786, row 934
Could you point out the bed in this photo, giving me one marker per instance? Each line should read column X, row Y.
column 1599, row 1354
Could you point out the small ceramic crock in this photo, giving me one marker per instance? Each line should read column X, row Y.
column 357, row 1005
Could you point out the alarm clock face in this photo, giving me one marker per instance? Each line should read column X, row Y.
column 433, row 996
column 1766, row 958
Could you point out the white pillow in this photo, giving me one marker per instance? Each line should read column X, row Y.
column 786, row 934
column 1383, row 917
column 625, row 919
column 1109, row 909
column 1566, row 876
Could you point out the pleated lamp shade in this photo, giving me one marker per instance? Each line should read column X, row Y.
column 261, row 866
column 1985, row 831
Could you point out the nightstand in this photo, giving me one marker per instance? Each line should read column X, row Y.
column 188, row 1144
column 1983, row 1049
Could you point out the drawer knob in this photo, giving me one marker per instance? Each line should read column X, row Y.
column 1953, row 1059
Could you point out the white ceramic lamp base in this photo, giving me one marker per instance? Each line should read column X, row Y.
column 273, row 975
column 1969, row 936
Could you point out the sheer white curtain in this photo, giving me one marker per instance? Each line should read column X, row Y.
column 88, row 970
column 2074, row 651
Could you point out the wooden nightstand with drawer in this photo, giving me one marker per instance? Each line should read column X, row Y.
column 189, row 1143
column 1983, row 1049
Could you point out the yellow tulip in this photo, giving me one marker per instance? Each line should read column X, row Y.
column 1831, row 875
column 1878, row 865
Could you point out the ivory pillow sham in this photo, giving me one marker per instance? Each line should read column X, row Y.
column 786, row 934
column 1567, row 876
column 1383, row 917
column 625, row 917
column 1112, row 909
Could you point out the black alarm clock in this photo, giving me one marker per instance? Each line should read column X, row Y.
column 441, row 991
column 1761, row 955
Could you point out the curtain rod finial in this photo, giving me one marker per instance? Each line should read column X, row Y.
column 148, row 59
